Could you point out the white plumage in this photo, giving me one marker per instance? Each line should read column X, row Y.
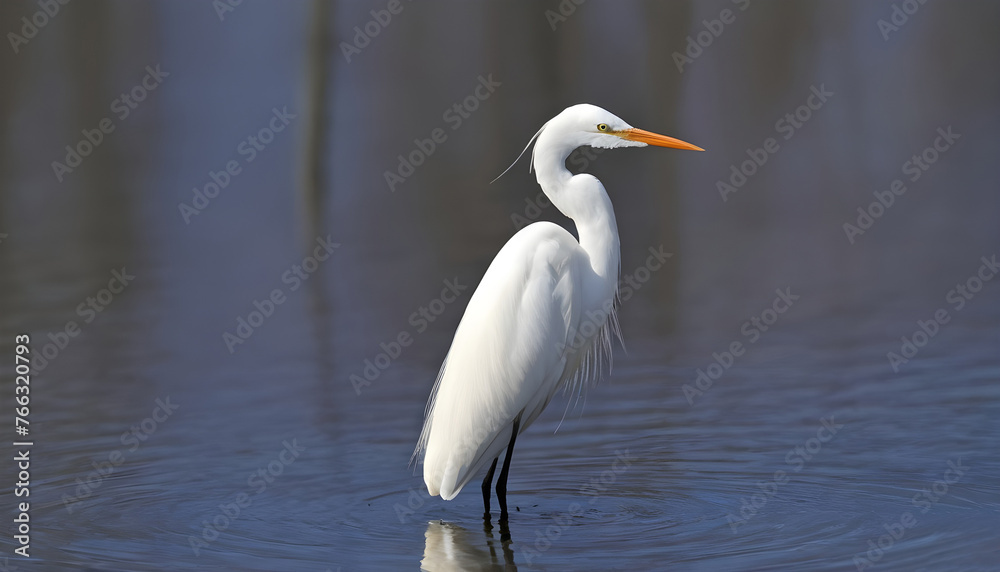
column 540, row 318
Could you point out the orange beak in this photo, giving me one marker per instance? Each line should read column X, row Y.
column 656, row 139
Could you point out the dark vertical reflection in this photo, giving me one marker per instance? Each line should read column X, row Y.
column 316, row 185
column 11, row 68
column 316, row 155
column 12, row 71
column 90, row 51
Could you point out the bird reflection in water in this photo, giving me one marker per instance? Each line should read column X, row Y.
column 450, row 547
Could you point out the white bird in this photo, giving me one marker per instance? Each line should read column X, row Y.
column 541, row 318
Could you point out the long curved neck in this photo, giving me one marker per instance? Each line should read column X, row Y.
column 583, row 199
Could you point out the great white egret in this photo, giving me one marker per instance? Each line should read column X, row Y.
column 541, row 318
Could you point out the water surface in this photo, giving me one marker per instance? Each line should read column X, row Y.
column 263, row 451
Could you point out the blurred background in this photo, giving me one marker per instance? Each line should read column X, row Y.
column 217, row 219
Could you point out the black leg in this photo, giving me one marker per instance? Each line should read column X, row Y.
column 502, row 481
column 486, row 488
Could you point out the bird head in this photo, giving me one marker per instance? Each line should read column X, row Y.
column 586, row 124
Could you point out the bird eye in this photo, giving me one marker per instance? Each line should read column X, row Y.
column 602, row 126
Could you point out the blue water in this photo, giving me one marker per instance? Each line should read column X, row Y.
column 169, row 435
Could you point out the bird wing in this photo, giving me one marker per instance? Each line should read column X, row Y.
column 508, row 356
